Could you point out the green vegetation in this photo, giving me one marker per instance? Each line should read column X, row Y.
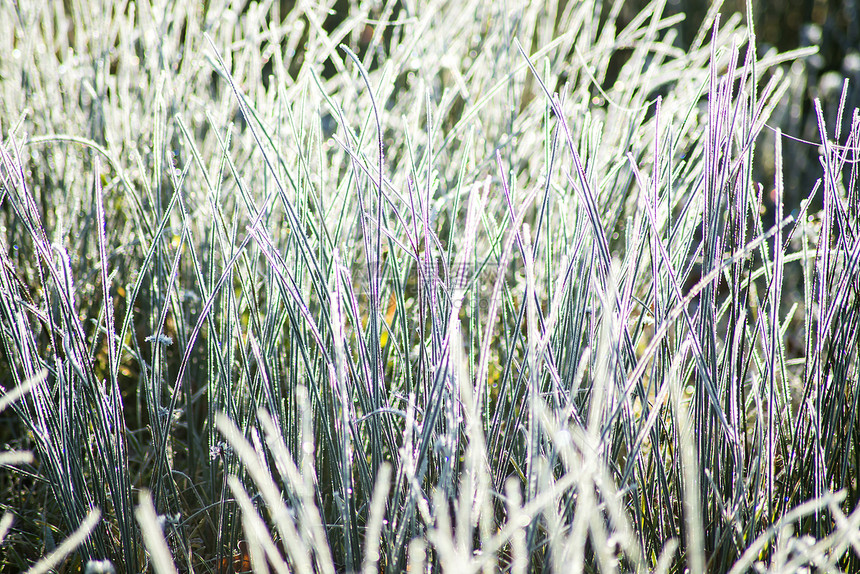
column 436, row 287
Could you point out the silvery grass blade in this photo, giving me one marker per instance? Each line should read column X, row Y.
column 68, row 546
column 153, row 537
column 282, row 516
column 10, row 458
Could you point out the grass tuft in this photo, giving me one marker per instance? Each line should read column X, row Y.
column 455, row 287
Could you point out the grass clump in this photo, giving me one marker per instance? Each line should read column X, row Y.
column 439, row 288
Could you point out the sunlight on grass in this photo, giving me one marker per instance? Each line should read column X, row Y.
column 445, row 287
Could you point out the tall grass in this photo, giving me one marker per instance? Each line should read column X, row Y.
column 446, row 287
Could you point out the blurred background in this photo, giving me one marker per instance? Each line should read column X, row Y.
column 831, row 25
